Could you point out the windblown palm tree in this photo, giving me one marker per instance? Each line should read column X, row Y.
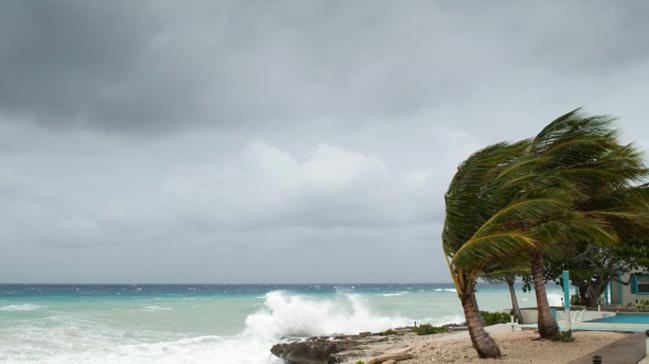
column 516, row 202
column 491, row 220
column 585, row 152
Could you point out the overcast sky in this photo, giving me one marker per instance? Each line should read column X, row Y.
column 278, row 141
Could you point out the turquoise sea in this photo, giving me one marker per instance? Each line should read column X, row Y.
column 211, row 323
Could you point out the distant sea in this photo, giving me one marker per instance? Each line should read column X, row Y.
column 194, row 323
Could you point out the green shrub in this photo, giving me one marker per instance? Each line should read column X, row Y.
column 388, row 332
column 360, row 362
column 492, row 318
column 574, row 300
column 428, row 329
column 563, row 336
column 642, row 305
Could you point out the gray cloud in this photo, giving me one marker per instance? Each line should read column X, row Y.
column 157, row 66
column 265, row 138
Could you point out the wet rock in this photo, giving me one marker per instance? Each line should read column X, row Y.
column 336, row 349
column 315, row 350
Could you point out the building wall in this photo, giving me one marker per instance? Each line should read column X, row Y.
column 628, row 298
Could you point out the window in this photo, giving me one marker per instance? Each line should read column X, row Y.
column 643, row 283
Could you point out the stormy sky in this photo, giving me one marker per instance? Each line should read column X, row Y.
column 278, row 141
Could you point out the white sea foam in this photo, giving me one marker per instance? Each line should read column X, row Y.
column 394, row 294
column 445, row 290
column 283, row 315
column 25, row 307
column 555, row 299
column 443, row 320
column 153, row 308
column 293, row 315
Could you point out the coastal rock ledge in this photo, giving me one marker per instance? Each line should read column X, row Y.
column 343, row 348
column 316, row 350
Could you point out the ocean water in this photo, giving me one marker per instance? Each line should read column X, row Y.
column 211, row 323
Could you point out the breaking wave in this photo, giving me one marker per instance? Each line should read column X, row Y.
column 555, row 299
column 283, row 315
column 25, row 307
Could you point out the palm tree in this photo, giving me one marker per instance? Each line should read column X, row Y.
column 516, row 310
column 509, row 275
column 586, row 151
column 483, row 228
column 514, row 202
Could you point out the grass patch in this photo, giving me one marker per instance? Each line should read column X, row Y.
column 388, row 332
column 428, row 329
column 492, row 318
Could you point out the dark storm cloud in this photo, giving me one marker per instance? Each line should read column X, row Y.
column 269, row 137
column 62, row 60
column 139, row 66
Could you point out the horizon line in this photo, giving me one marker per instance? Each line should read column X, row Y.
column 223, row 284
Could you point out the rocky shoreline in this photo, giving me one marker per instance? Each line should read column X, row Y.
column 406, row 346
column 390, row 346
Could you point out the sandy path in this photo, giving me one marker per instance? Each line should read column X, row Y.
column 517, row 347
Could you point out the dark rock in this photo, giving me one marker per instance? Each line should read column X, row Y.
column 311, row 351
column 332, row 349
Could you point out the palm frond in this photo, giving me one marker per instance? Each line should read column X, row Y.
column 571, row 183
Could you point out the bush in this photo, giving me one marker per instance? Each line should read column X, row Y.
column 574, row 300
column 492, row 318
column 428, row 329
column 388, row 332
column 563, row 336
column 642, row 305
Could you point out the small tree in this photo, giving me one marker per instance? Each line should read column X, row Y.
column 508, row 276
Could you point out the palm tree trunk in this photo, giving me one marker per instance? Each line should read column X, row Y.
column 547, row 325
column 516, row 310
column 482, row 342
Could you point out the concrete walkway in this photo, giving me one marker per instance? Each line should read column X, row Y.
column 629, row 350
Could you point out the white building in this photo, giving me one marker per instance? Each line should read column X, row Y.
column 632, row 293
